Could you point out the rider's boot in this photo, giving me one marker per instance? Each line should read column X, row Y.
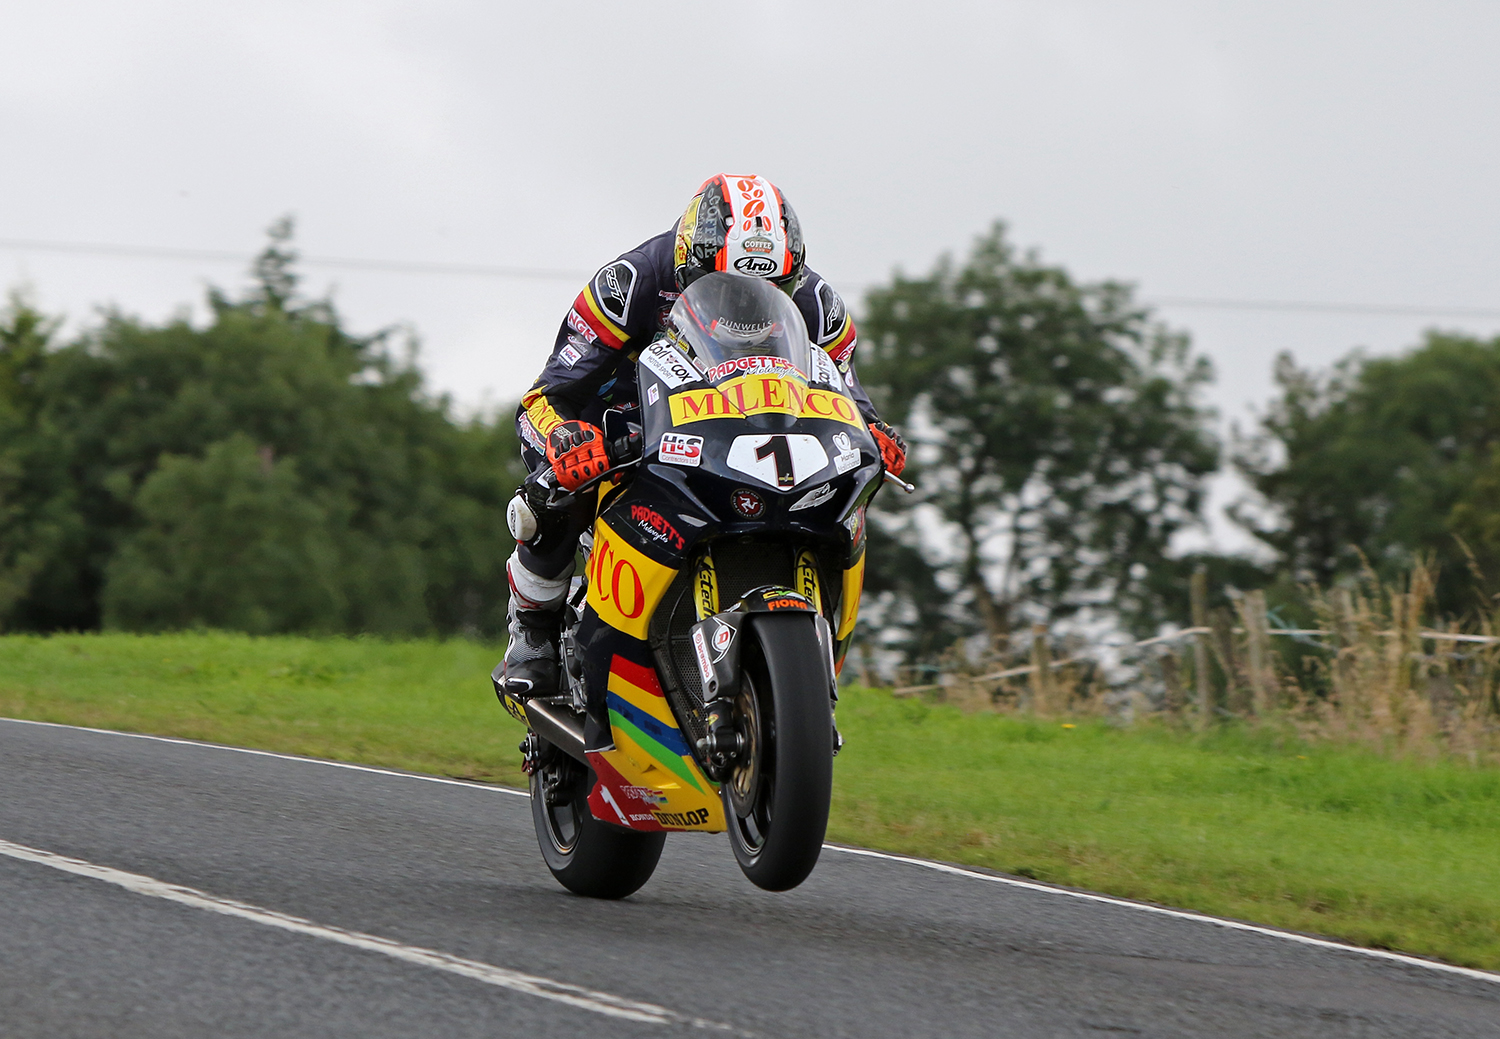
column 534, row 621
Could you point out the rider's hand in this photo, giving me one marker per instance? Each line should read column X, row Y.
column 576, row 451
column 892, row 447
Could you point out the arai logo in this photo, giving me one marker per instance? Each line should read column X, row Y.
column 760, row 266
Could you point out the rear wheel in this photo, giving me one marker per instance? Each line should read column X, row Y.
column 776, row 797
column 588, row 857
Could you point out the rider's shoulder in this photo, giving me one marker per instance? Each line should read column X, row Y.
column 652, row 258
column 822, row 308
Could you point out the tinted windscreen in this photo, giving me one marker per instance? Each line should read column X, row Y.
column 733, row 323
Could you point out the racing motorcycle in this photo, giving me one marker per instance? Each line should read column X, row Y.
column 702, row 641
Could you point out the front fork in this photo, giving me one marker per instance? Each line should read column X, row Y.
column 724, row 744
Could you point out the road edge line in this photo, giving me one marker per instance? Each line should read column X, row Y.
column 1177, row 914
column 373, row 769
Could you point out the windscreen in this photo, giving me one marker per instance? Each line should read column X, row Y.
column 733, row 324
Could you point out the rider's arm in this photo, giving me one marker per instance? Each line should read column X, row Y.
column 832, row 328
column 595, row 339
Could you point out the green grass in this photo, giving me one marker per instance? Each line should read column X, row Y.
column 1338, row 841
column 423, row 706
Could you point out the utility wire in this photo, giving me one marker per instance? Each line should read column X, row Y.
column 482, row 270
column 1311, row 306
column 149, row 252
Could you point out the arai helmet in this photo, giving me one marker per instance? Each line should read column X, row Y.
column 740, row 224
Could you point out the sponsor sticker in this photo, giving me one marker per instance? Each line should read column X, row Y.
column 747, row 503
column 582, row 327
column 755, row 394
column 653, row 394
column 668, row 365
column 680, row 449
column 723, row 636
column 758, row 244
column 697, row 817
column 816, row 496
column 831, row 311
column 569, row 355
column 645, row 793
column 759, row 266
column 654, row 525
column 705, row 663
column 758, row 365
column 825, row 371
column 848, row 455
column 613, row 287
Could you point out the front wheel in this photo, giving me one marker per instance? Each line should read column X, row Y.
column 776, row 797
column 589, row 857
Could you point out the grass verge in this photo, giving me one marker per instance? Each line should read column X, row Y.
column 1334, row 840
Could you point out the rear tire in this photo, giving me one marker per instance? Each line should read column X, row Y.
column 589, row 857
column 776, row 798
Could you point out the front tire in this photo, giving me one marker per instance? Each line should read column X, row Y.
column 589, row 857
column 776, row 797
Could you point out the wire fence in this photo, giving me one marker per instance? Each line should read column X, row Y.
column 1376, row 669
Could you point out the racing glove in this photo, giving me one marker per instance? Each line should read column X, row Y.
column 892, row 447
column 576, row 451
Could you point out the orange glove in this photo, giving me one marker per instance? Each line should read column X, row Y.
column 576, row 451
column 892, row 447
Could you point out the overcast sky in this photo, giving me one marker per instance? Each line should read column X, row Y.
column 1338, row 151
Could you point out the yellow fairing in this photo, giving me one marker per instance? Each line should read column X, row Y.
column 651, row 754
column 624, row 585
column 854, row 583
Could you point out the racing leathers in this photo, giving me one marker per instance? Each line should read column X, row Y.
column 593, row 368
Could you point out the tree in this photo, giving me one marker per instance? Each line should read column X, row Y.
column 229, row 540
column 137, row 488
column 1058, row 441
column 1383, row 461
column 29, row 532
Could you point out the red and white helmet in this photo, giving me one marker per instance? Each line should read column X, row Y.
column 741, row 224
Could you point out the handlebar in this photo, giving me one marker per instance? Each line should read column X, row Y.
column 891, row 477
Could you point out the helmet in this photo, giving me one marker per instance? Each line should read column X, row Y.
column 742, row 224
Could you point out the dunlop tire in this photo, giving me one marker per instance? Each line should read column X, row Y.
column 601, row 861
column 788, row 672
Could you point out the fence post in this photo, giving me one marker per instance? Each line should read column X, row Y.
column 1041, row 665
column 1198, row 589
column 1253, row 614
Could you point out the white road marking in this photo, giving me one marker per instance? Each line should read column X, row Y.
column 487, row 787
column 529, row 984
column 940, row 867
column 1179, row 914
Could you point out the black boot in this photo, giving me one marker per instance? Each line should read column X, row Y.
column 530, row 668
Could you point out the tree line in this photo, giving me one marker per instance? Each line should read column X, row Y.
column 270, row 471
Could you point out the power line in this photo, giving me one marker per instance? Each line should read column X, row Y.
column 151, row 252
column 1312, row 306
column 481, row 270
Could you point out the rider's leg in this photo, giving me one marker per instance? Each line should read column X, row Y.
column 540, row 572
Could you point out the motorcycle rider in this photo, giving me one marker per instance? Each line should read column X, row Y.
column 733, row 223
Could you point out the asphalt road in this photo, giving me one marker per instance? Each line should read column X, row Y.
column 280, row 897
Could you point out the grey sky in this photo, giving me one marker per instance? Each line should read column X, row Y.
column 1343, row 151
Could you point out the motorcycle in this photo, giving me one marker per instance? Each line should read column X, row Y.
column 702, row 641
